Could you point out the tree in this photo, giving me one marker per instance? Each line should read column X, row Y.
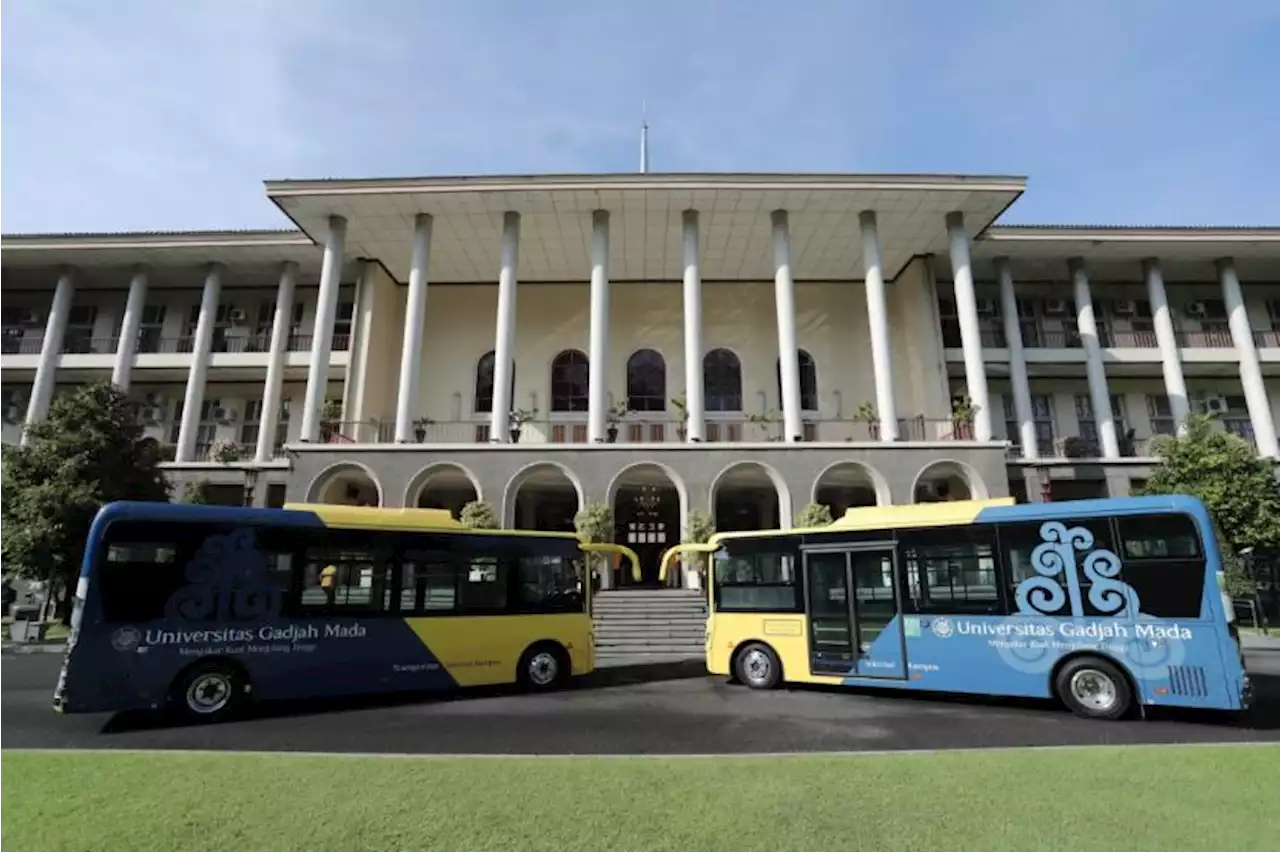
column 88, row 451
column 594, row 523
column 1239, row 489
column 196, row 492
column 478, row 515
column 814, row 515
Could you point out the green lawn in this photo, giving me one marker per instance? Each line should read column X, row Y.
column 1107, row 798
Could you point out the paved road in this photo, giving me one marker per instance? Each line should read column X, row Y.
column 662, row 710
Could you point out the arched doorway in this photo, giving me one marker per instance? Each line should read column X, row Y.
column 750, row 496
column 543, row 496
column 945, row 481
column 848, row 485
column 443, row 486
column 346, row 484
column 648, row 501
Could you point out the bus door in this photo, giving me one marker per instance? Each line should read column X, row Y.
column 855, row 624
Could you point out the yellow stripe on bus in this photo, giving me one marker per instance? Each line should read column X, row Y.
column 486, row 649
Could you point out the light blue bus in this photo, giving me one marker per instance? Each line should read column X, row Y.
column 1106, row 605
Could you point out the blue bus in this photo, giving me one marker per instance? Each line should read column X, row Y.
column 1106, row 605
column 200, row 608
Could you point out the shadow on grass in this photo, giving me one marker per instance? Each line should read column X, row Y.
column 612, row 676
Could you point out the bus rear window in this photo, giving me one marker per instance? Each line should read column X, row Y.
column 1159, row 537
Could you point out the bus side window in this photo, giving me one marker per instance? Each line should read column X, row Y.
column 428, row 583
column 751, row 578
column 483, row 584
column 1163, row 562
column 549, row 583
column 351, row 576
column 951, row 570
column 1018, row 542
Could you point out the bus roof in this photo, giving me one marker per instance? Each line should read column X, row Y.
column 314, row 515
column 984, row 511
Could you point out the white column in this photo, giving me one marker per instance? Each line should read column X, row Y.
column 878, row 321
column 695, row 405
column 281, row 326
column 199, row 371
column 1087, row 325
column 50, row 350
column 415, row 314
column 1174, row 385
column 784, row 293
column 322, row 331
column 505, row 333
column 975, row 371
column 1255, row 392
column 127, row 345
column 1017, row 361
column 598, row 381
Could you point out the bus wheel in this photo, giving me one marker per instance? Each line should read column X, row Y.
column 758, row 666
column 210, row 692
column 1093, row 688
column 543, row 667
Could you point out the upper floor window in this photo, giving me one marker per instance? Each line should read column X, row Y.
column 808, row 382
column 570, row 373
column 646, row 381
column 484, row 382
column 722, row 378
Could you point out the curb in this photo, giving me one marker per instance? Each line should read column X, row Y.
column 34, row 648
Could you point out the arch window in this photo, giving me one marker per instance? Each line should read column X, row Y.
column 808, row 382
column 722, row 380
column 484, row 383
column 570, row 374
column 646, row 381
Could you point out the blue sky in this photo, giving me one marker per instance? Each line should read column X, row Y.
column 169, row 115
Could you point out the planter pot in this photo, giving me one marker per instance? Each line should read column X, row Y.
column 515, row 434
column 421, row 435
column 874, row 429
column 612, row 435
column 681, row 433
column 693, row 579
column 326, row 433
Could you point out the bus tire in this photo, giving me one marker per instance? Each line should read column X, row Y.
column 210, row 691
column 1093, row 688
column 543, row 667
column 757, row 666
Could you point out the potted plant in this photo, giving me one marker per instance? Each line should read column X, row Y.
column 616, row 412
column 698, row 530
column 1076, row 447
column 868, row 414
column 330, row 417
column 226, row 452
column 420, row 428
column 962, row 413
column 519, row 417
column 594, row 523
column 478, row 515
column 682, row 413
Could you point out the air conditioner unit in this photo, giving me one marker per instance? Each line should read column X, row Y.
column 1215, row 404
column 237, row 315
column 1055, row 307
column 1124, row 307
column 31, row 317
column 223, row 415
column 987, row 307
column 1196, row 309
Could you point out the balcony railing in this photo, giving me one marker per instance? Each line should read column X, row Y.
column 1266, row 339
column 23, row 345
column 1212, row 339
column 1043, row 338
column 77, row 345
column 1129, row 339
column 642, row 431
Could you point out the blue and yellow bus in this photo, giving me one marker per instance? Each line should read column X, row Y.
column 200, row 608
column 1106, row 605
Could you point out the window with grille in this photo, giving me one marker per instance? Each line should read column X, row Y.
column 1042, row 416
column 646, row 381
column 570, row 375
column 808, row 382
column 722, row 380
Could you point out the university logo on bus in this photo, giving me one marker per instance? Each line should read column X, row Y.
column 227, row 580
column 1057, row 580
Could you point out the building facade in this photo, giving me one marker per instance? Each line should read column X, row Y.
column 736, row 344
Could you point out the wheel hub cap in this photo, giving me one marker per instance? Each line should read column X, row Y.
column 1094, row 689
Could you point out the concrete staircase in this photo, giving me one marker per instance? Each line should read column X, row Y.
column 649, row 625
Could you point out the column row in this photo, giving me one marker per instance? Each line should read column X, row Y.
column 505, row 328
column 201, row 349
column 1099, row 395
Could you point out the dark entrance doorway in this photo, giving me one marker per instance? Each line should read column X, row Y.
column 647, row 519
